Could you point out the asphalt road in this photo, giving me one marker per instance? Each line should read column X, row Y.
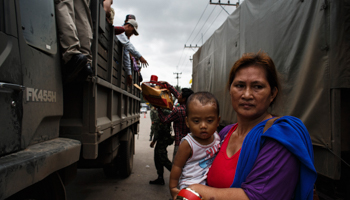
column 91, row 184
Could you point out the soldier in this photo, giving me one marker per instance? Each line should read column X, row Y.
column 162, row 138
column 154, row 116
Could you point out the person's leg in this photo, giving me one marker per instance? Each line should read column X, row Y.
column 67, row 31
column 84, row 26
column 152, row 132
column 73, row 59
column 163, row 157
column 160, row 160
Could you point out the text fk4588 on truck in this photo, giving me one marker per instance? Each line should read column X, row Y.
column 48, row 129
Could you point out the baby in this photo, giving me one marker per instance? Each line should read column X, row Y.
column 199, row 148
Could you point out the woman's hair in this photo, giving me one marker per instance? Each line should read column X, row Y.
column 186, row 92
column 259, row 59
column 204, row 98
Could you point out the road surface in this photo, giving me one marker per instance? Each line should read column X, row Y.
column 91, row 184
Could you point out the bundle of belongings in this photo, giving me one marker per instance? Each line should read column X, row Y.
column 157, row 94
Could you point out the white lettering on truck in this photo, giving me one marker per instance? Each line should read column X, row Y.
column 40, row 95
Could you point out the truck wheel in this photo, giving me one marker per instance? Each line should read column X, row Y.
column 125, row 156
column 123, row 163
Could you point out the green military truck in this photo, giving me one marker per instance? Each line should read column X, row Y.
column 47, row 129
column 309, row 43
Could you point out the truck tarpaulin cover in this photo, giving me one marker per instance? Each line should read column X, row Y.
column 309, row 43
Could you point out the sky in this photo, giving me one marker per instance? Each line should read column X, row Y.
column 165, row 27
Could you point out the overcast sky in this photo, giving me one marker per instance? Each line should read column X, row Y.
column 165, row 27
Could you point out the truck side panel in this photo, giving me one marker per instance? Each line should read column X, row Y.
column 98, row 111
column 40, row 61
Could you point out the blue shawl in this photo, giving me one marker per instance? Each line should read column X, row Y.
column 293, row 135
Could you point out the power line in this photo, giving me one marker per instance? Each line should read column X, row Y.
column 211, row 24
column 203, row 24
column 182, row 65
column 197, row 23
column 192, row 32
column 224, row 9
column 197, row 35
column 180, row 58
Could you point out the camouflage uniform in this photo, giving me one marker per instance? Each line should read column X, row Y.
column 154, row 116
column 162, row 135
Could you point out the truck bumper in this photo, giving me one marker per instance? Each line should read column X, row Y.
column 31, row 165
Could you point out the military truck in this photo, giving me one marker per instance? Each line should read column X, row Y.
column 309, row 43
column 49, row 129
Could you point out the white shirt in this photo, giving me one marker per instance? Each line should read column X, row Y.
column 197, row 166
column 128, row 47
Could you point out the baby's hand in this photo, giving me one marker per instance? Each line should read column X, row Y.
column 174, row 192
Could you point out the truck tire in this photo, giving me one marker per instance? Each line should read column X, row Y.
column 122, row 164
column 125, row 156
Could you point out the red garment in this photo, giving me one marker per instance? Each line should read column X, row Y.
column 223, row 169
column 118, row 30
column 177, row 116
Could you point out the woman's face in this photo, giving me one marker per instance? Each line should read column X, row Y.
column 251, row 93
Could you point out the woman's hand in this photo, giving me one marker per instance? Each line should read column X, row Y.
column 197, row 188
column 208, row 192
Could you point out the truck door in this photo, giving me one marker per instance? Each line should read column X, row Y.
column 11, row 81
column 29, row 57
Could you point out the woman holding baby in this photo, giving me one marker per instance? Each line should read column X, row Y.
column 255, row 163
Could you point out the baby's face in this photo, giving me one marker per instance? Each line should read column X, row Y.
column 202, row 120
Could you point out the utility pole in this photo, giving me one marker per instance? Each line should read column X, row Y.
column 192, row 46
column 225, row 4
column 177, row 77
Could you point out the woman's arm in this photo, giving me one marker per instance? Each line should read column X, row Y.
column 274, row 165
column 180, row 159
column 210, row 193
column 275, row 169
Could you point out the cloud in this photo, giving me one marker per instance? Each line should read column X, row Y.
column 165, row 27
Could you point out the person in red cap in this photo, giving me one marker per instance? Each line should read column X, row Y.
column 178, row 114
